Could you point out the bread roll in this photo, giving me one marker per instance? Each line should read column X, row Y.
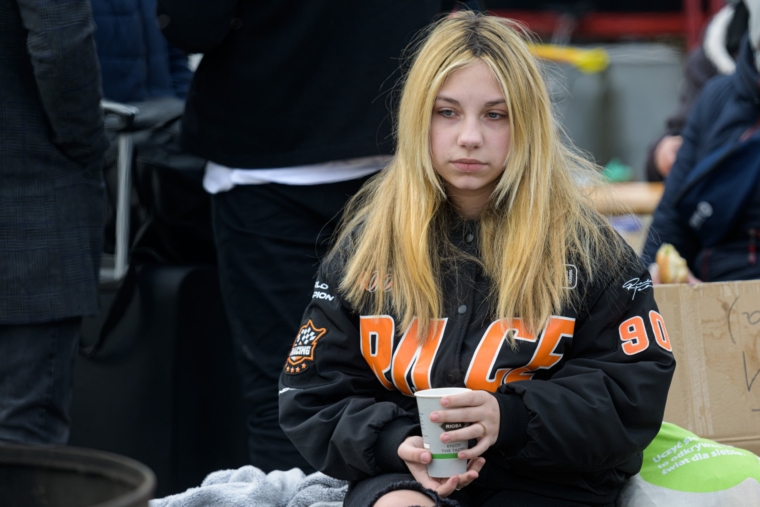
column 673, row 268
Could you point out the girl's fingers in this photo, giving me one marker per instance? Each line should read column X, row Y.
column 469, row 399
column 411, row 450
column 419, row 472
column 448, row 487
column 471, row 432
column 421, row 456
column 476, row 464
column 466, row 478
column 444, row 489
column 427, row 482
column 462, row 415
column 459, row 400
column 473, row 472
column 475, row 407
column 475, row 451
column 470, row 414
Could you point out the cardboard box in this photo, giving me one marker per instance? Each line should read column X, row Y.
column 715, row 332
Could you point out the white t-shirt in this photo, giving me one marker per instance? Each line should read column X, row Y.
column 219, row 178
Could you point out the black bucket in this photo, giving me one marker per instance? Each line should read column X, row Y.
column 71, row 477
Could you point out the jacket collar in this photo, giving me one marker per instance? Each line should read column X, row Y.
column 746, row 79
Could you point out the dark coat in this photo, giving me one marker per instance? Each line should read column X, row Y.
column 700, row 67
column 285, row 82
column 51, row 150
column 578, row 402
column 726, row 109
column 136, row 61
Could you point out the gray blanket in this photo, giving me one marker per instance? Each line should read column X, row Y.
column 250, row 487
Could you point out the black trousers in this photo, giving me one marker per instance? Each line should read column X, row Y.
column 36, row 379
column 269, row 241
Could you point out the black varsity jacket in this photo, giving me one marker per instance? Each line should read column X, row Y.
column 579, row 401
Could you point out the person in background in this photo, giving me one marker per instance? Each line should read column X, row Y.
column 715, row 56
column 52, row 209
column 289, row 106
column 136, row 61
column 725, row 114
column 474, row 260
column 137, row 64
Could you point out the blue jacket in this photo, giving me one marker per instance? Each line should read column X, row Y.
column 727, row 107
column 136, row 61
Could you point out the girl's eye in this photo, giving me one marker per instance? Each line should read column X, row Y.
column 495, row 116
column 446, row 113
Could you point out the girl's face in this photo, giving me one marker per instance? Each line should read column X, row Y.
column 469, row 136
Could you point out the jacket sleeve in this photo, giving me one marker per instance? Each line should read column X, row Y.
column 196, row 26
column 331, row 404
column 667, row 226
column 605, row 404
column 180, row 71
column 62, row 50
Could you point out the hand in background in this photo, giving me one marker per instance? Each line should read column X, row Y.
column 654, row 271
column 665, row 153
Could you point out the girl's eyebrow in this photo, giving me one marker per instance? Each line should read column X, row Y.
column 447, row 99
column 490, row 103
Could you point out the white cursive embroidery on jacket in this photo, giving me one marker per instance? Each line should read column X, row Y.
column 637, row 285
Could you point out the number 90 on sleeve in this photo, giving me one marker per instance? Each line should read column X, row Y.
column 634, row 335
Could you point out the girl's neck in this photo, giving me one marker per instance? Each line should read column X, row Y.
column 469, row 204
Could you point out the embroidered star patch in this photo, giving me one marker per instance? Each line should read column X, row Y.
column 302, row 354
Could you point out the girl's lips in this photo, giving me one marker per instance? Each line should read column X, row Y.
column 468, row 165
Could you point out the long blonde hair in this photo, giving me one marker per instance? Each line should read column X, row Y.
column 537, row 219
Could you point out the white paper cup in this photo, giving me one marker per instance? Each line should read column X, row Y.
column 445, row 462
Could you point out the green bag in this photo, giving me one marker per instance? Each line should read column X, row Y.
column 681, row 469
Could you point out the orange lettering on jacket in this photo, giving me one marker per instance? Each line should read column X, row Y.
column 545, row 355
column 660, row 333
column 633, row 334
column 377, row 333
column 411, row 356
column 480, row 374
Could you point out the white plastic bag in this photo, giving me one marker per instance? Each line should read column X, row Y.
column 681, row 469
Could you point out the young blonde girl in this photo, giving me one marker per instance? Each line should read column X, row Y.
column 475, row 260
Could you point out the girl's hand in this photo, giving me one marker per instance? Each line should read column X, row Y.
column 477, row 407
column 417, row 458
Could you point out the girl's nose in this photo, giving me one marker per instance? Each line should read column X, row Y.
column 470, row 136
